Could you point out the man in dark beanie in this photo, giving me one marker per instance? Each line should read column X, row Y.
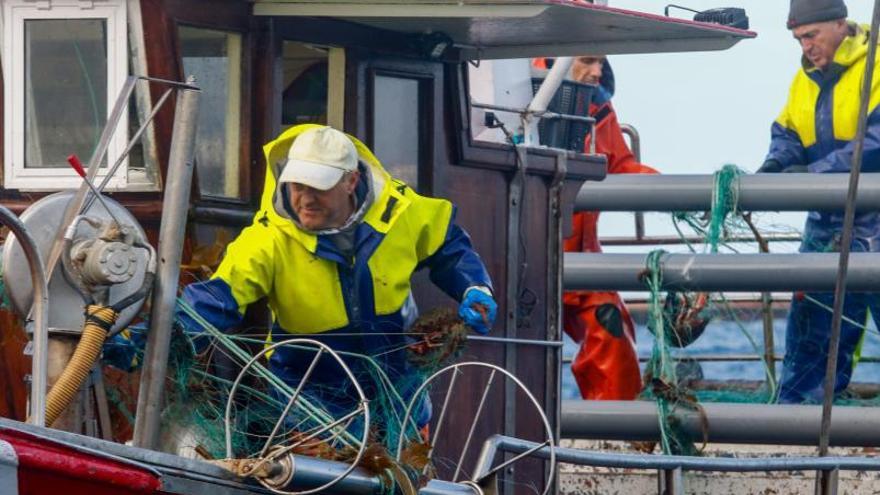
column 811, row 11
column 815, row 133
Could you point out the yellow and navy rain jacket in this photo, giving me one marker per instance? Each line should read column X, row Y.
column 360, row 304
column 817, row 127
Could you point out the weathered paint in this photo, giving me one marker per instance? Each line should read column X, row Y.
column 8, row 469
column 44, row 466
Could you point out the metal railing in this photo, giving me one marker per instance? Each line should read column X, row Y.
column 671, row 468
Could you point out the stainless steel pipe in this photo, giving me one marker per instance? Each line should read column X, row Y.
column 728, row 423
column 722, row 272
column 310, row 472
column 758, row 192
column 40, row 314
column 171, row 235
column 668, row 462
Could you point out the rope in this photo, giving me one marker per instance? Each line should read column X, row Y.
column 725, row 197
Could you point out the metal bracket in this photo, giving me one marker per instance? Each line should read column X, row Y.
column 556, row 184
column 670, row 482
column 827, row 482
column 514, row 266
column 553, row 390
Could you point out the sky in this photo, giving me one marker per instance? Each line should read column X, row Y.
column 697, row 111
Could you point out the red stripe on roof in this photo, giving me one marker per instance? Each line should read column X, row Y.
column 654, row 17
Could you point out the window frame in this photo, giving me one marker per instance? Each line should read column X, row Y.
column 244, row 196
column 15, row 13
column 426, row 80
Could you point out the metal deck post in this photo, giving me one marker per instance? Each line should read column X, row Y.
column 171, row 236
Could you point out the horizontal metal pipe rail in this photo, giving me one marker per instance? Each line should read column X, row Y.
column 499, row 443
column 775, row 424
column 541, row 115
column 721, row 272
column 676, row 240
column 726, row 358
column 760, row 192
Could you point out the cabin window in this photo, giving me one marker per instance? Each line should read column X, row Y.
column 214, row 57
column 64, row 64
column 505, row 83
column 304, row 82
column 400, row 123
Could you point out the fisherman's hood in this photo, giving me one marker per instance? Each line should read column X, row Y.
column 271, row 204
column 606, row 85
column 852, row 49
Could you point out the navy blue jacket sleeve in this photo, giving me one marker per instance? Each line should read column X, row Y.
column 456, row 266
column 213, row 301
column 785, row 146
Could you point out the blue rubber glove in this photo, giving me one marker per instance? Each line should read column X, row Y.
column 474, row 318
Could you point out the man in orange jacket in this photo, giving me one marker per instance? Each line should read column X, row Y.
column 606, row 366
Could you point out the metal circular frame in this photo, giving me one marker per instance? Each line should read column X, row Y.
column 364, row 404
column 455, row 368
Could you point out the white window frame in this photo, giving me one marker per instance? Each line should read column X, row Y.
column 14, row 15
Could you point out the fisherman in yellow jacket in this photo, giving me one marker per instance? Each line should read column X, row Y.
column 333, row 249
column 815, row 134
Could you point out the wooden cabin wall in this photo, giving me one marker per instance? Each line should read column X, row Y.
column 14, row 366
column 476, row 179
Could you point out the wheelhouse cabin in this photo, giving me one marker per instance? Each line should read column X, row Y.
column 395, row 75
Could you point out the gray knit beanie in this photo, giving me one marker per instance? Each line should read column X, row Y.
column 810, row 11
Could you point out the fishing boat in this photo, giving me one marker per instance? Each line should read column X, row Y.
column 131, row 155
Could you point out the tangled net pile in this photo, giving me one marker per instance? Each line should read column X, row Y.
column 199, row 386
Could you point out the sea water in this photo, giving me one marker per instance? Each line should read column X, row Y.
column 729, row 337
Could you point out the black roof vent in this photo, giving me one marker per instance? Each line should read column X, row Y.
column 730, row 16
column 726, row 16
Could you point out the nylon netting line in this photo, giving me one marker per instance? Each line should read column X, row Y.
column 194, row 411
column 662, row 380
column 723, row 220
column 726, row 219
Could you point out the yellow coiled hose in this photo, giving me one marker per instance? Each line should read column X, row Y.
column 99, row 321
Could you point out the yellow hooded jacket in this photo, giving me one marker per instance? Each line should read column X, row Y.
column 313, row 289
column 817, row 128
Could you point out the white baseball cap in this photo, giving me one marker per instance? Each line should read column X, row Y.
column 319, row 157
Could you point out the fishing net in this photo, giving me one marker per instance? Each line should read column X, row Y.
column 673, row 375
column 199, row 384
